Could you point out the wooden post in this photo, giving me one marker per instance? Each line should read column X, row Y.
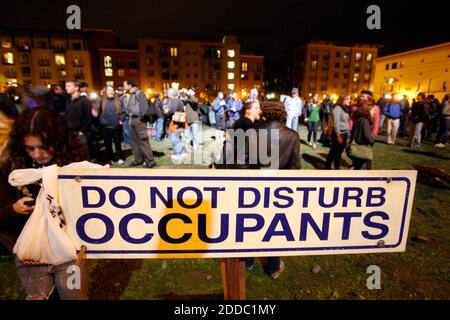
column 232, row 270
column 81, row 255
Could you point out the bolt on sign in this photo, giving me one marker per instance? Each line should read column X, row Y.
column 176, row 213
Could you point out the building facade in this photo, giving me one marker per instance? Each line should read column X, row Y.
column 43, row 57
column 208, row 66
column 421, row 70
column 251, row 74
column 118, row 65
column 326, row 67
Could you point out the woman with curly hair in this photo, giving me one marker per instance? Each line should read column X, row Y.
column 40, row 137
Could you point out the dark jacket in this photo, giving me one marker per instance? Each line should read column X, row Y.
column 419, row 112
column 174, row 106
column 109, row 119
column 11, row 223
column 362, row 131
column 288, row 144
column 191, row 104
column 78, row 114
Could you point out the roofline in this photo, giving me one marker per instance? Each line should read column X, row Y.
column 437, row 46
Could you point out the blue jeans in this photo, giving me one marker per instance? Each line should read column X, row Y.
column 270, row 267
column 177, row 142
column 220, row 122
column 442, row 136
column 292, row 122
column 193, row 128
column 126, row 132
column 39, row 281
column 159, row 128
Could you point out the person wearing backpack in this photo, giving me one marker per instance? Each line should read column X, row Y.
column 110, row 124
column 39, row 138
column 339, row 123
column 137, row 107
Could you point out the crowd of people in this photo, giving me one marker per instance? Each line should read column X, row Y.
column 64, row 125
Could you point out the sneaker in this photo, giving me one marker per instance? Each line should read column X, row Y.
column 120, row 162
column 310, row 143
column 439, row 145
column 135, row 163
column 276, row 274
column 314, row 145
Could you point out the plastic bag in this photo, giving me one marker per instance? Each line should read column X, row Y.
column 44, row 237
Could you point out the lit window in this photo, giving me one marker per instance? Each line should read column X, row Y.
column 356, row 77
column 121, row 72
column 230, row 75
column 244, row 66
column 108, row 72
column 173, row 51
column 369, row 57
column 358, row 56
column 314, row 65
column 6, row 44
column 110, row 83
column 230, row 86
column 107, row 61
column 230, row 64
column 366, row 77
column 8, row 58
column 218, row 54
column 231, row 53
column 60, row 60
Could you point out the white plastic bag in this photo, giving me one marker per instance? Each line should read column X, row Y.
column 44, row 237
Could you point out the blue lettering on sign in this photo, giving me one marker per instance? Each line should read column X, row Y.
column 240, row 221
column 347, row 221
column 384, row 228
column 162, row 228
column 224, row 226
column 306, row 196
column 286, row 229
column 81, row 223
column 123, row 228
column 356, row 197
column 371, row 196
column 168, row 202
column 198, row 197
column 84, row 196
column 289, row 200
column 307, row 219
column 322, row 196
column 112, row 197
column 242, row 191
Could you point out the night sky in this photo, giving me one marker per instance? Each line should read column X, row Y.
column 264, row 27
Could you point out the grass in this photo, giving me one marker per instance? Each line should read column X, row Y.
column 422, row 272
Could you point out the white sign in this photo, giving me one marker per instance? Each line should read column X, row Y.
column 176, row 213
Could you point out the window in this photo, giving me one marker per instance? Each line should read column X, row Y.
column 164, row 64
column 257, row 77
column 358, row 56
column 394, row 65
column 346, row 65
column 188, row 63
column 6, row 44
column 173, row 51
column 337, row 65
column 258, row 67
column 8, row 58
column 217, row 54
column 345, row 75
column 60, row 60
column 357, row 66
column 366, row 77
column 344, row 86
column 188, row 74
column 314, row 54
column 76, row 46
column 313, row 75
column 149, row 49
column 230, row 75
column 24, row 58
column 387, row 67
column 312, row 87
column 108, row 72
column 132, row 63
column 195, row 75
column 231, row 53
column 165, row 76
column 402, row 64
column 325, row 66
column 326, row 55
column 77, row 62
column 174, row 76
column 107, row 61
column 26, row 71
column 150, row 73
column 346, row 55
column 324, row 76
column 244, row 66
column 369, row 57
column 187, row 51
column 356, row 77
column 230, row 64
column 216, row 66
column 336, row 75
column 338, row 54
column 230, row 86
column 121, row 72
column 244, row 76
column 314, row 65
column 42, row 44
column 324, row 87
column 110, row 83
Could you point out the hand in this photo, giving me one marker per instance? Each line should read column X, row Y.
column 340, row 140
column 306, row 119
column 20, row 208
